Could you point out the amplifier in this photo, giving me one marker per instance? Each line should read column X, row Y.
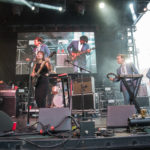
column 8, row 104
column 87, row 102
column 60, row 60
column 88, row 85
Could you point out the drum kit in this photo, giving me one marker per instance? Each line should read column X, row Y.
column 57, row 101
column 60, row 94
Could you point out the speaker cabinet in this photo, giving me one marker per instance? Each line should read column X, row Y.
column 57, row 117
column 60, row 60
column 117, row 116
column 87, row 86
column 8, row 104
column 5, row 122
column 86, row 103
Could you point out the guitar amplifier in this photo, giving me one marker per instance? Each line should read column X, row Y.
column 61, row 60
column 8, row 103
column 88, row 85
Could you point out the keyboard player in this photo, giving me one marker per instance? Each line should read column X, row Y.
column 125, row 69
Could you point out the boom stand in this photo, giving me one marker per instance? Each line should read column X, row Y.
column 82, row 87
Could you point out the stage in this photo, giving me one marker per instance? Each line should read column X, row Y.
column 27, row 137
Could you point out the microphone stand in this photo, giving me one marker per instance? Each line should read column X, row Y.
column 29, row 94
column 82, row 86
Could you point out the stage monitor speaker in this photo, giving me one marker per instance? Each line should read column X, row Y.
column 143, row 101
column 117, row 116
column 5, row 122
column 88, row 102
column 57, row 117
column 88, row 84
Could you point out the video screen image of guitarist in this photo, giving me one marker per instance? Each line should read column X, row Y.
column 58, row 42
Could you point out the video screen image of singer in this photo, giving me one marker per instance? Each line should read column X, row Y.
column 74, row 51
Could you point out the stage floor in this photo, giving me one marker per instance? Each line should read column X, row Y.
column 27, row 137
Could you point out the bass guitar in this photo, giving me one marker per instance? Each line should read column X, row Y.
column 37, row 75
column 75, row 55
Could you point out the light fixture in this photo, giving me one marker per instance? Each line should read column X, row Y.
column 28, row 4
column 101, row 5
column 134, row 17
column 148, row 6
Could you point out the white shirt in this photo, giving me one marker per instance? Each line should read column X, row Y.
column 124, row 69
column 38, row 49
column 80, row 46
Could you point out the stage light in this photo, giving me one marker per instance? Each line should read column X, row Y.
column 132, row 11
column 148, row 6
column 101, row 5
column 131, row 8
column 130, row 49
column 32, row 5
column 46, row 6
column 28, row 4
column 60, row 8
column 33, row 8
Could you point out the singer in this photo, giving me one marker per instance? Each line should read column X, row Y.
column 125, row 69
column 40, row 46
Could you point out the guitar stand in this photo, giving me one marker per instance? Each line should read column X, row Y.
column 133, row 93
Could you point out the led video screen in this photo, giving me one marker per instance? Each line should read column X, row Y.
column 71, row 56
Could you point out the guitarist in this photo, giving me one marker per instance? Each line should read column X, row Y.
column 40, row 46
column 78, row 47
column 42, row 86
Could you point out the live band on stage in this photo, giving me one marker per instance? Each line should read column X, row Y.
column 76, row 91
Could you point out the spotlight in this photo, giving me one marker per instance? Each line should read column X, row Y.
column 148, row 6
column 60, row 8
column 131, row 8
column 32, row 8
column 28, row 4
column 132, row 11
column 101, row 5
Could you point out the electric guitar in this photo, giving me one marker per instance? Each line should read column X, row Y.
column 37, row 75
column 75, row 55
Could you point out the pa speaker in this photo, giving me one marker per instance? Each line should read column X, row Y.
column 5, row 122
column 117, row 116
column 57, row 117
column 85, row 102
